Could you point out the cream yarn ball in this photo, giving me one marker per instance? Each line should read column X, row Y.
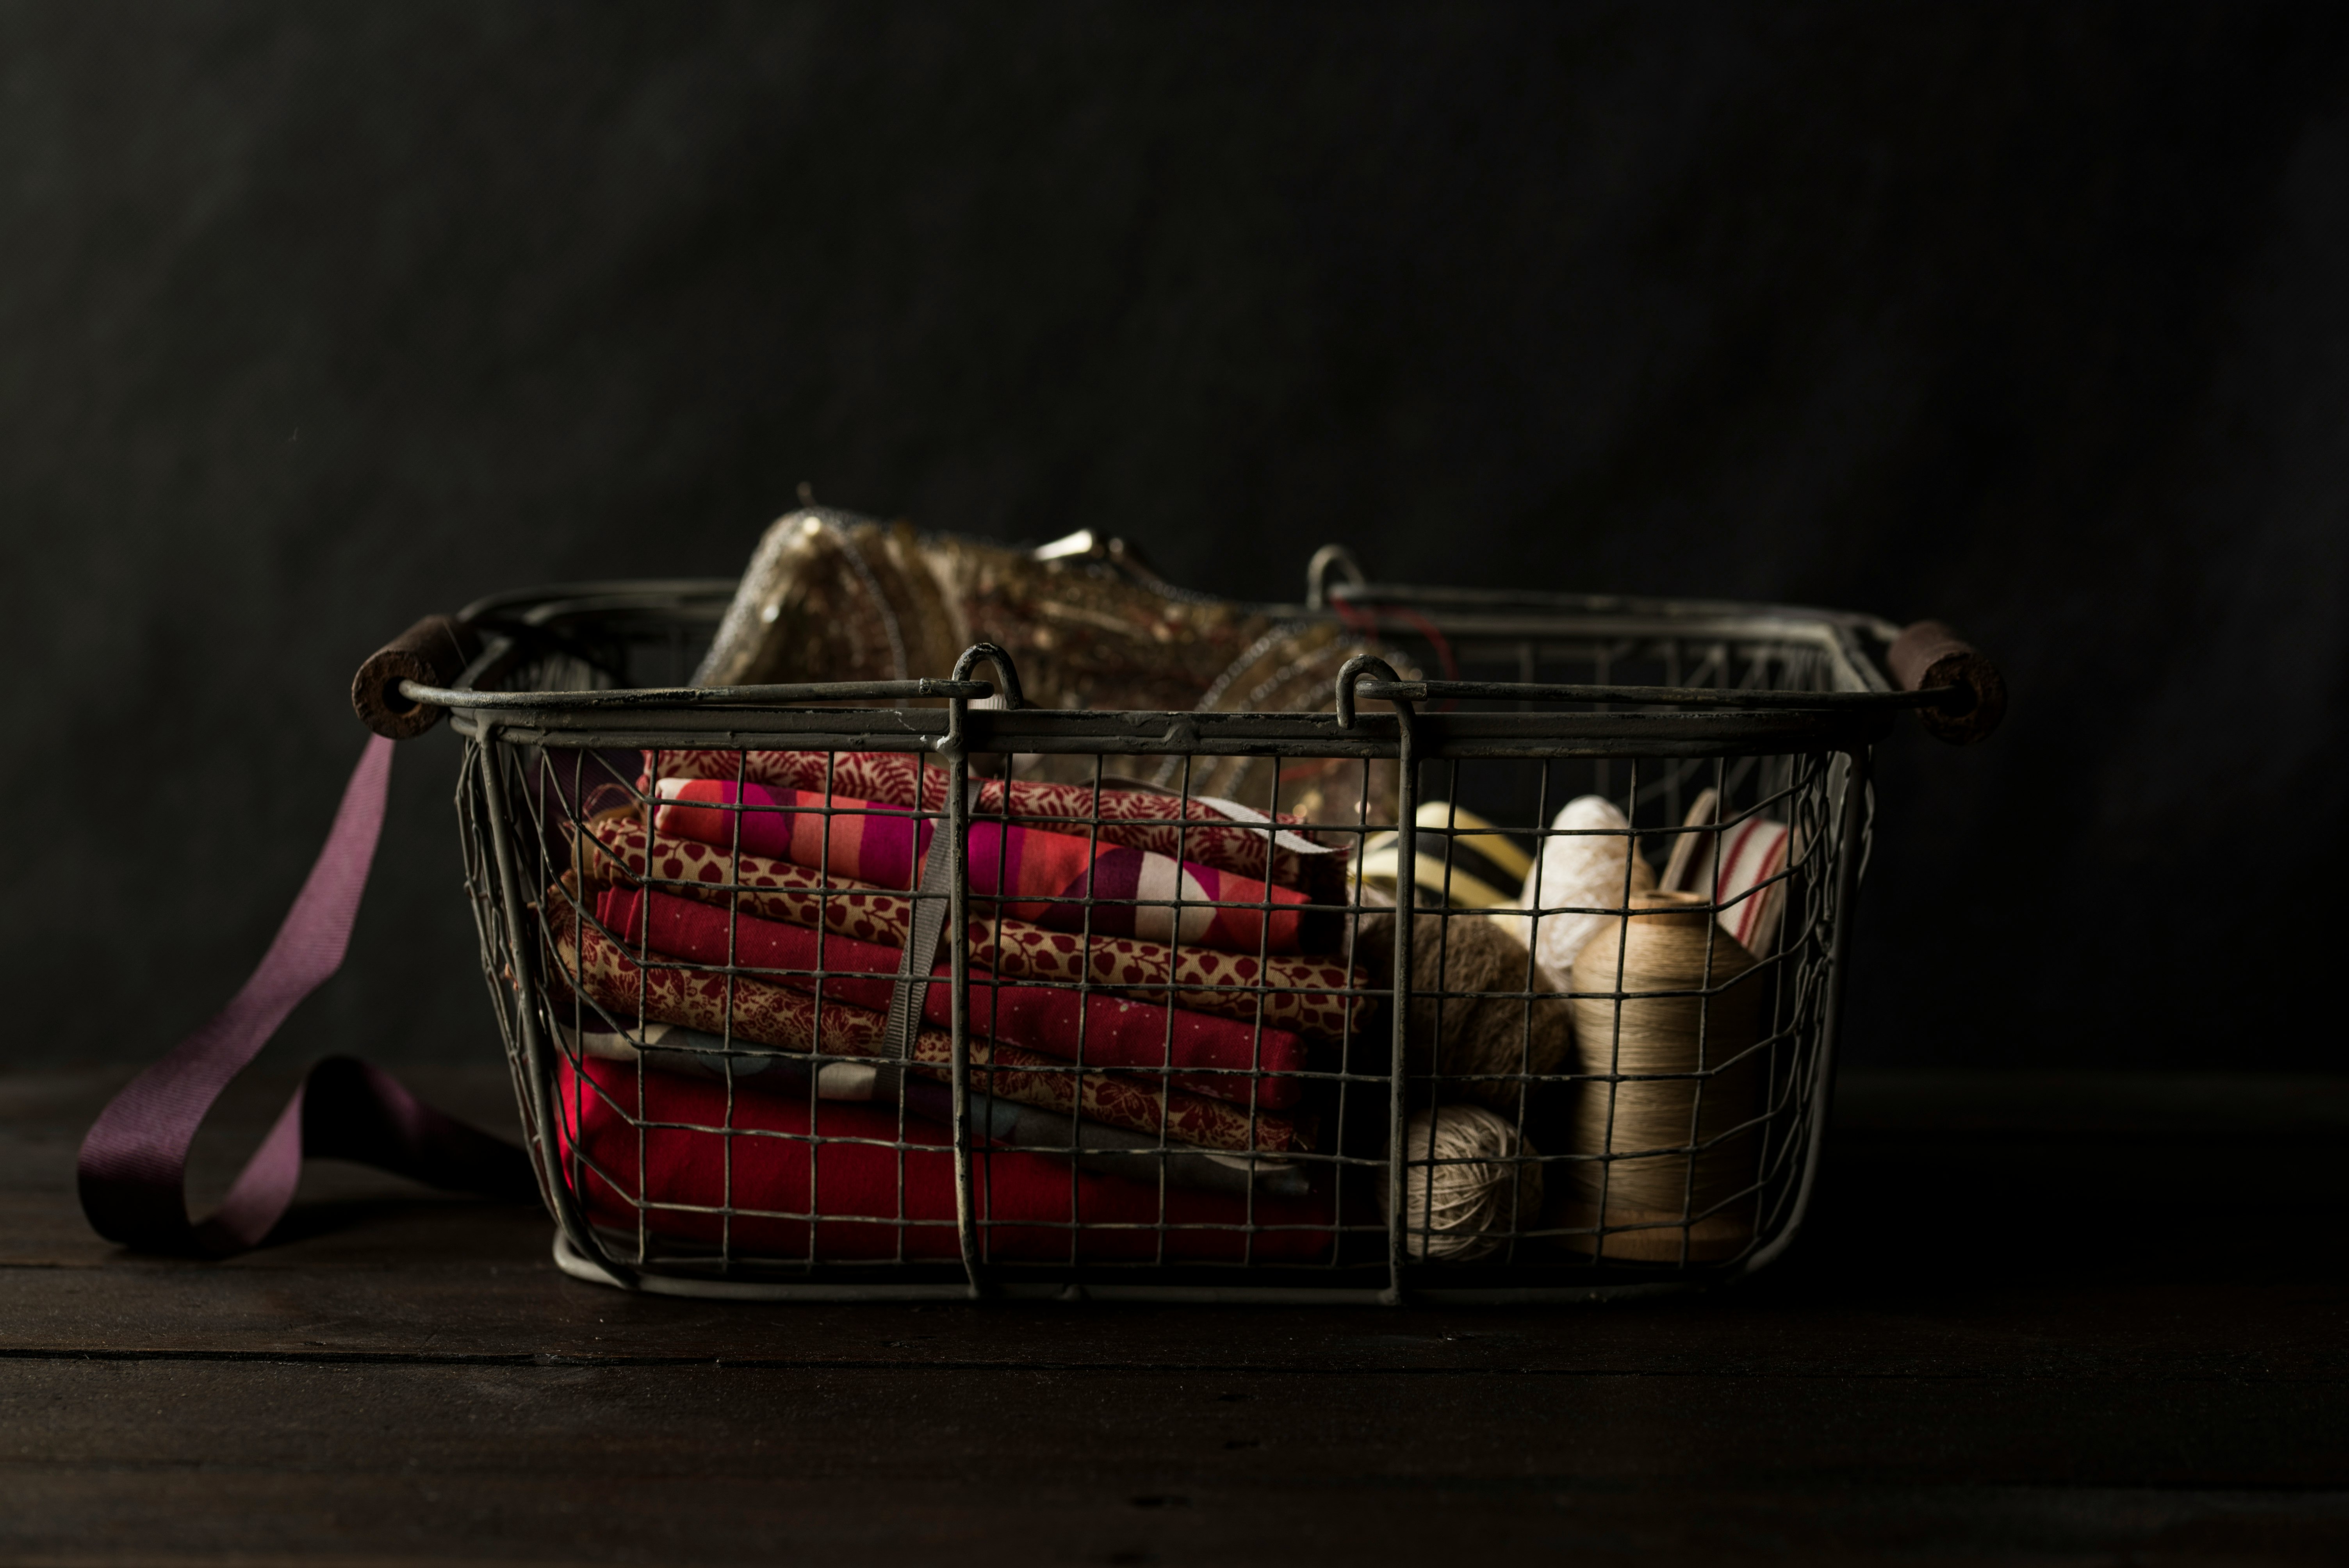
column 1469, row 1180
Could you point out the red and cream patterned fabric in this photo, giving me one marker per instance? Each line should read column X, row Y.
column 1315, row 998
column 1051, row 879
column 1195, row 1052
column 825, row 1182
column 1748, row 881
column 1752, row 852
column 792, row 1020
column 1212, row 833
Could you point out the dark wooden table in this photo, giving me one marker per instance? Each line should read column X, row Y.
column 2036, row 1319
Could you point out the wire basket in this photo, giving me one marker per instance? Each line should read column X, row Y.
column 706, row 919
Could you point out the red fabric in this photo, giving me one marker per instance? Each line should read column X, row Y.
column 1116, row 1033
column 1018, row 1197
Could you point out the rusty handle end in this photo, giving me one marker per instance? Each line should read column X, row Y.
column 433, row 652
column 1927, row 656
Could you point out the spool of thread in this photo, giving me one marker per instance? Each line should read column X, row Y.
column 1677, row 1089
column 1586, row 863
column 1467, row 1040
column 1469, row 1182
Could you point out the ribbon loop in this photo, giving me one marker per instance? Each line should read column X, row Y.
column 134, row 1161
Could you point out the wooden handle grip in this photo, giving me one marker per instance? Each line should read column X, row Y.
column 1929, row 654
column 434, row 652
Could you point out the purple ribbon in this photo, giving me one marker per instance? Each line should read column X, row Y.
column 134, row 1163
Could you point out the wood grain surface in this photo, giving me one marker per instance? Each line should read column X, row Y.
column 2026, row 1327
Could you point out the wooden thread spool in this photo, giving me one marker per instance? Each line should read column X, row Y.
column 1692, row 1079
column 1468, row 1183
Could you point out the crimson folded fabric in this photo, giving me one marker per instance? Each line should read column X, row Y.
column 994, row 1123
column 798, row 1196
column 1040, row 876
column 1317, row 997
column 1219, row 1058
column 1223, row 834
column 737, row 1007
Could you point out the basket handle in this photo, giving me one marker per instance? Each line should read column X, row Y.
column 433, row 652
column 1927, row 655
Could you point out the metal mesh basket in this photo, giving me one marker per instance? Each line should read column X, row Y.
column 733, row 1082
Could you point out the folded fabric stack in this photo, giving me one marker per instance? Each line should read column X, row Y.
column 1123, row 998
column 1319, row 997
column 792, row 1018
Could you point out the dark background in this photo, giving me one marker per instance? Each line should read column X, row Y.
column 313, row 319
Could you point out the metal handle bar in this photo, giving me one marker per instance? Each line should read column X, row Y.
column 694, row 696
column 1957, row 692
column 1352, row 684
column 1709, row 696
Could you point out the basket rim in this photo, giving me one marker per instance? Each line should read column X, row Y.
column 1855, row 709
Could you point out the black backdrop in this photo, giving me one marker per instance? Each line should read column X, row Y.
column 2037, row 319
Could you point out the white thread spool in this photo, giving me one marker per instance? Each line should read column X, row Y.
column 1468, row 1181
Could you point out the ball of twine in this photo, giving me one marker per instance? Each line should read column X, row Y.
column 1469, row 1180
column 1477, row 1043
